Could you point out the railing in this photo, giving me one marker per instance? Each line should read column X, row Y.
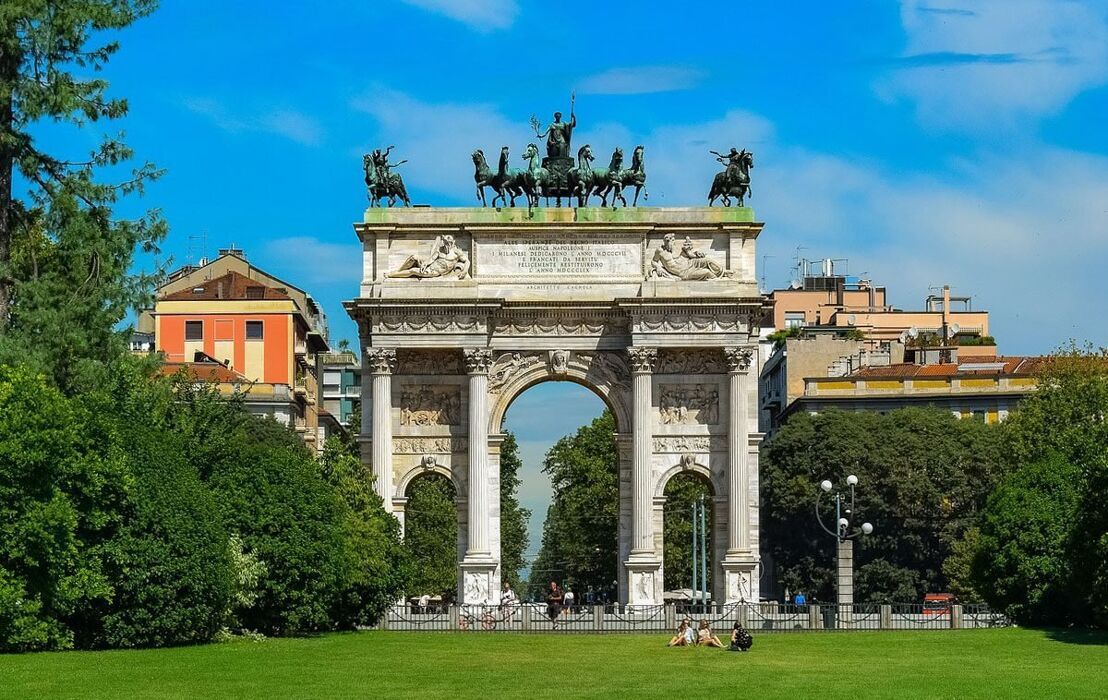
column 658, row 619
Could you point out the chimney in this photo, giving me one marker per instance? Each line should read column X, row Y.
column 946, row 305
column 219, row 290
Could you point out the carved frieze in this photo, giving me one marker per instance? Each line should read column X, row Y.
column 609, row 368
column 429, row 362
column 430, row 404
column 443, row 323
column 430, row 445
column 688, row 404
column 681, row 444
column 690, row 362
column 560, row 325
column 688, row 323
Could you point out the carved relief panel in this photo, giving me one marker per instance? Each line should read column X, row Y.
column 430, row 404
column 688, row 404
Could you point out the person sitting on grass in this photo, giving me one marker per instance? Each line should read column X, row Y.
column 740, row 638
column 705, row 636
column 684, row 636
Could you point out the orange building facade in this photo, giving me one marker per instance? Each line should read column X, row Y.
column 266, row 333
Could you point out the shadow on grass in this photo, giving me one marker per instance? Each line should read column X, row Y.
column 1078, row 636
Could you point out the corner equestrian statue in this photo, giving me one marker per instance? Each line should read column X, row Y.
column 734, row 181
column 380, row 181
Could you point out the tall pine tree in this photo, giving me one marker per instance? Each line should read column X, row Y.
column 64, row 256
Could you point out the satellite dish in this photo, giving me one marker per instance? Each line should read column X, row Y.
column 954, row 328
column 913, row 332
column 851, row 320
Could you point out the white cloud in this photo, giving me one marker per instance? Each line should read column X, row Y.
column 439, row 139
column 482, row 15
column 1024, row 231
column 640, row 80
column 313, row 262
column 983, row 64
column 289, row 124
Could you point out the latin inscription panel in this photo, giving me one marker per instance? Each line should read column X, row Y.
column 601, row 254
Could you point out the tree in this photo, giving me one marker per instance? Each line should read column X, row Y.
column 513, row 517
column 1062, row 424
column 682, row 491
column 431, row 536
column 1023, row 562
column 924, row 477
column 59, row 487
column 377, row 566
column 579, row 539
column 63, row 259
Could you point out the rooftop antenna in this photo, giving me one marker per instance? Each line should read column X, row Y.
column 765, row 288
column 198, row 243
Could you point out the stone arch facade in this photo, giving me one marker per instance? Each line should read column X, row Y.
column 461, row 310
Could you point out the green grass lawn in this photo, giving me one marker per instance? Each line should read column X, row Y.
column 956, row 664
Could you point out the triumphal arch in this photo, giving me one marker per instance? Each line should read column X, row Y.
column 653, row 309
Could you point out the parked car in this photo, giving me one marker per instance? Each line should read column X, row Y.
column 937, row 603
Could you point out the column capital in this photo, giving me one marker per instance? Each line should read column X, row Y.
column 643, row 360
column 380, row 360
column 477, row 360
column 738, row 359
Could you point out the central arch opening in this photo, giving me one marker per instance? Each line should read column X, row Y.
column 568, row 481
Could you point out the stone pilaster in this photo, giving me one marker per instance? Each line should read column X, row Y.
column 381, row 363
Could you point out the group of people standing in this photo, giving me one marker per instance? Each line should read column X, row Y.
column 686, row 636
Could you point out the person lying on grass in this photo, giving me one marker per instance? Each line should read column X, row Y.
column 740, row 638
column 705, row 636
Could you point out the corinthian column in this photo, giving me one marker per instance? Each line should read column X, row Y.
column 643, row 361
column 381, row 363
column 738, row 515
column 477, row 367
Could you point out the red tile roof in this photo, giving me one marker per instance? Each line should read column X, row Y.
column 964, row 367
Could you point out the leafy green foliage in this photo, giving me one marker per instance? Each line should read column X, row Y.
column 579, row 539
column 64, row 259
column 1043, row 552
column 431, row 536
column 924, row 475
column 376, row 565
column 513, row 517
column 682, row 491
column 59, row 480
column 1023, row 565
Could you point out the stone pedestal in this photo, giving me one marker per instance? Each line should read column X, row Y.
column 740, row 579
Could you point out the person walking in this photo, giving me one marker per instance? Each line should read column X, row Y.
column 568, row 599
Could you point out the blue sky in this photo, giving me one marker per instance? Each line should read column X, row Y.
column 930, row 142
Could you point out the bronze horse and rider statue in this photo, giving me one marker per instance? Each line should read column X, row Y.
column 734, row 181
column 380, row 181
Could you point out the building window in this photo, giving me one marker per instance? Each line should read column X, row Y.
column 255, row 330
column 255, row 292
column 794, row 319
column 194, row 330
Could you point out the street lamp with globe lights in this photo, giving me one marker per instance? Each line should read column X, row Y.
column 844, row 539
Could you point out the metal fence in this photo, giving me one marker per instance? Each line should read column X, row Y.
column 656, row 619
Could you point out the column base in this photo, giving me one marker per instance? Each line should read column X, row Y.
column 476, row 582
column 740, row 576
column 644, row 579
